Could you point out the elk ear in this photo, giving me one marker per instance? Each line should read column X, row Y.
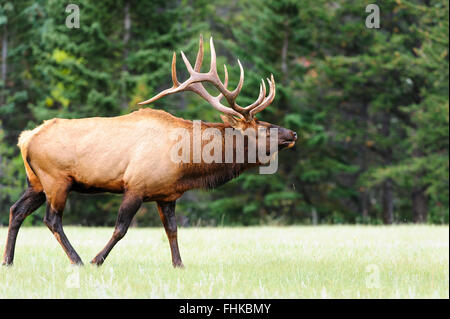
column 231, row 120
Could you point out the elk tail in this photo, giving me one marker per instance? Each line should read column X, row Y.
column 24, row 140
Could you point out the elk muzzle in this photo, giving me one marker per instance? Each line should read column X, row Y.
column 286, row 138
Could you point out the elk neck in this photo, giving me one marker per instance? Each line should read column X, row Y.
column 210, row 175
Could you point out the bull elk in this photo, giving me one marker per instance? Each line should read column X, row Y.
column 129, row 154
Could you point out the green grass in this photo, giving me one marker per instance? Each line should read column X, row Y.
column 253, row 262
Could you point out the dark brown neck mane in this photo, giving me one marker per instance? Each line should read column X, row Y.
column 211, row 175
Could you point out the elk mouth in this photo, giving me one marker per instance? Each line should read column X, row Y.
column 288, row 140
column 287, row 144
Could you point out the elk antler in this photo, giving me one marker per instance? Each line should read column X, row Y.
column 193, row 83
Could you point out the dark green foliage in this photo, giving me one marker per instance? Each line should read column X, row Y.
column 370, row 105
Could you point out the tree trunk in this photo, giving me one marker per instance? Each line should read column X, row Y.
column 126, row 39
column 364, row 200
column 388, row 202
column 4, row 61
column 388, row 187
column 365, row 204
column 4, row 69
column 420, row 206
column 418, row 196
column 314, row 216
column 284, row 52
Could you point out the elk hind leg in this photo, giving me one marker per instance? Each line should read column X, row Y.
column 53, row 219
column 25, row 206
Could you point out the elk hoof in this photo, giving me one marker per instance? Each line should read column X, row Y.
column 78, row 263
column 97, row 262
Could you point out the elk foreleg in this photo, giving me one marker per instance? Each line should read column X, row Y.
column 129, row 207
column 167, row 214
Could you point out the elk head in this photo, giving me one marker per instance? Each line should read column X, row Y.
column 236, row 116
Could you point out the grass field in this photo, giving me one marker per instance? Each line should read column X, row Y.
column 253, row 262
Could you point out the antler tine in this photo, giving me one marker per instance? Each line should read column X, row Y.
column 267, row 100
column 158, row 96
column 214, row 77
column 213, row 71
column 230, row 96
column 187, row 63
column 238, row 89
column 213, row 66
column 174, row 71
column 199, row 60
column 225, row 84
column 175, row 85
column 262, row 95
